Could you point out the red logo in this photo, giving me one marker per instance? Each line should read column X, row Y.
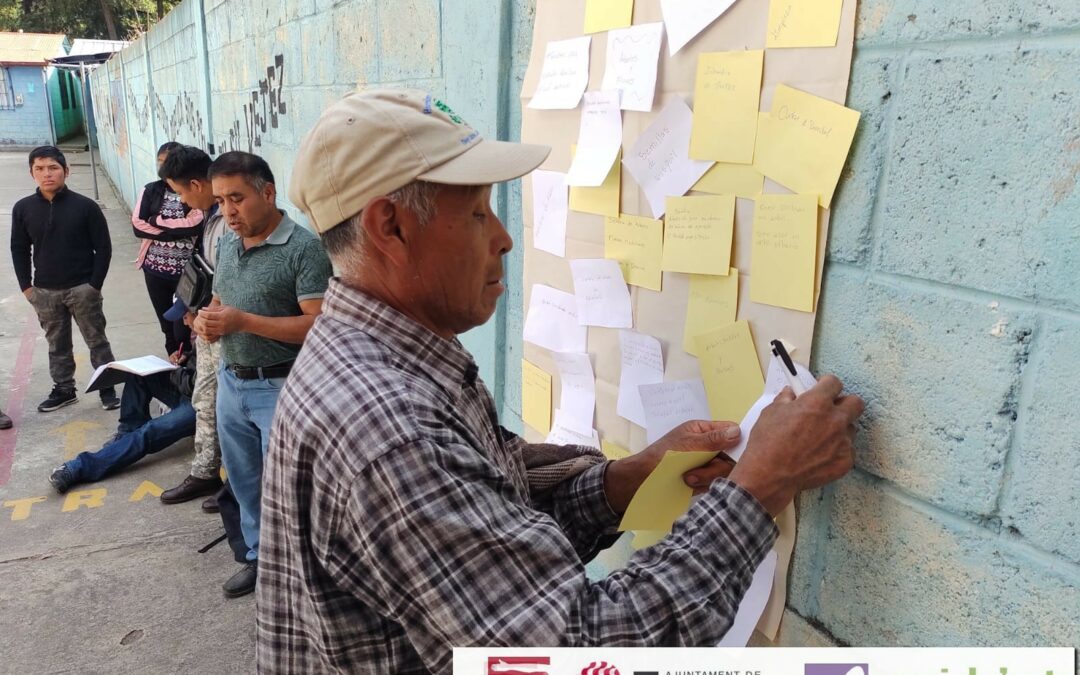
column 518, row 665
column 600, row 668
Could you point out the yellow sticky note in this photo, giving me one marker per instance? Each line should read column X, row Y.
column 601, row 15
column 646, row 538
column 803, row 23
column 535, row 397
column 741, row 180
column 713, row 303
column 603, row 199
column 730, row 368
column 727, row 94
column 784, row 252
column 663, row 496
column 697, row 234
column 638, row 244
column 804, row 142
column 613, row 451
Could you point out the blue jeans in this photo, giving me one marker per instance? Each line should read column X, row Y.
column 245, row 411
column 142, row 435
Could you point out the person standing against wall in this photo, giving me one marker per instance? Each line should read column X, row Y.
column 61, row 249
column 168, row 229
column 185, row 171
column 269, row 283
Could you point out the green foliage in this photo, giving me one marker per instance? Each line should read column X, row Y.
column 83, row 18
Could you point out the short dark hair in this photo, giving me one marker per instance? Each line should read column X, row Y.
column 48, row 152
column 185, row 163
column 167, row 147
column 252, row 168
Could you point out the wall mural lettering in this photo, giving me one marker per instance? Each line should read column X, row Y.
column 267, row 103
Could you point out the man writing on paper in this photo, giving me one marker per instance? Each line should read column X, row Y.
column 399, row 519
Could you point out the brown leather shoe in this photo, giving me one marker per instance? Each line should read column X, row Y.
column 191, row 488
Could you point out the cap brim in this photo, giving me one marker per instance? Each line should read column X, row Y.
column 176, row 312
column 488, row 162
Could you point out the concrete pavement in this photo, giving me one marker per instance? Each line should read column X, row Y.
column 106, row 579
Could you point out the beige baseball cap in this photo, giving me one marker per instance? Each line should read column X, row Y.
column 373, row 142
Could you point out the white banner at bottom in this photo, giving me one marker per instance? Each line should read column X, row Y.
column 758, row 661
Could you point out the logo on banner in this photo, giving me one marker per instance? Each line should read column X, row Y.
column 599, row 668
column 518, row 665
column 837, row 669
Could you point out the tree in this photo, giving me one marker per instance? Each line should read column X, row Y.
column 104, row 19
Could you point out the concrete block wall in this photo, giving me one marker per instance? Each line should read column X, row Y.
column 951, row 304
column 26, row 125
column 950, row 297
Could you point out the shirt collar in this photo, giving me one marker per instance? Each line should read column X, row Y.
column 444, row 361
column 279, row 236
column 62, row 192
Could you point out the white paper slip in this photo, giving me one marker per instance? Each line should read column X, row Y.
column 552, row 321
column 577, row 401
column 775, row 381
column 686, row 18
column 660, row 159
column 564, row 76
column 632, row 55
column 114, row 373
column 669, row 404
column 550, row 202
column 642, row 363
column 599, row 139
column 752, row 605
column 563, row 435
column 603, row 299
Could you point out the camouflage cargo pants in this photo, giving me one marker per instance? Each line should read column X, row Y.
column 207, row 462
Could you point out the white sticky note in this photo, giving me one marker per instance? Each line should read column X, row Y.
column 599, row 139
column 752, row 605
column 552, row 321
column 669, row 404
column 563, row 435
column 632, row 55
column 660, row 160
column 774, row 384
column 686, row 18
column 642, row 363
column 564, row 76
column 550, row 206
column 603, row 298
column 577, row 401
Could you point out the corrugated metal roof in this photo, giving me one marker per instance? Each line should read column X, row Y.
column 80, row 46
column 30, row 49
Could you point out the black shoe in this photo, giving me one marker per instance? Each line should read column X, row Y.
column 109, row 401
column 57, row 399
column 241, row 583
column 191, row 488
column 61, row 478
column 209, row 505
column 5, row 421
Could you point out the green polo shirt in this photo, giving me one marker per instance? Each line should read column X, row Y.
column 270, row 279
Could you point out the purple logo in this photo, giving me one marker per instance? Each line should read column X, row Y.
column 837, row 669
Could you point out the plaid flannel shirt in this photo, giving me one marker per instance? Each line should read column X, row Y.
column 398, row 523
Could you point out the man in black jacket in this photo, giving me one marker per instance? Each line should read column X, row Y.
column 138, row 434
column 62, row 237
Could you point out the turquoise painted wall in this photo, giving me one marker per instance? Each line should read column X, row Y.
column 26, row 125
column 67, row 121
column 949, row 302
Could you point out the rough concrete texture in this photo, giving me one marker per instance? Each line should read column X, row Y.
column 940, row 381
column 912, row 21
column 1042, row 497
column 101, row 583
column 898, row 573
column 873, row 78
column 991, row 202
